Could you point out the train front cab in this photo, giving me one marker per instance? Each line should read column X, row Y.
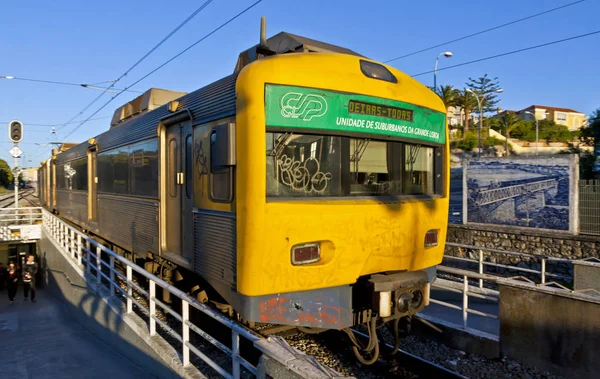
column 338, row 221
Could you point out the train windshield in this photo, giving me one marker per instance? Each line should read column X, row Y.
column 309, row 165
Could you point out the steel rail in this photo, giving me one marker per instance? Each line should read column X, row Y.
column 418, row 365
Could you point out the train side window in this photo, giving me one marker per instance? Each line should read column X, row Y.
column 222, row 161
column 172, row 169
column 144, row 169
column 60, row 177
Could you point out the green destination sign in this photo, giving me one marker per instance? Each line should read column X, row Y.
column 309, row 108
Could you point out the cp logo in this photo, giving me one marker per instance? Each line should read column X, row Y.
column 304, row 107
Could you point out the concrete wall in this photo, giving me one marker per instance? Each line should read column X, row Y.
column 93, row 313
column 550, row 329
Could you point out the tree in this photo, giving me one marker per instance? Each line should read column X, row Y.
column 591, row 132
column 448, row 94
column 467, row 102
column 524, row 131
column 590, row 136
column 6, row 175
column 507, row 123
column 485, row 88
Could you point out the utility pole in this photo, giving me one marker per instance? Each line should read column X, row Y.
column 481, row 117
column 15, row 133
column 16, row 177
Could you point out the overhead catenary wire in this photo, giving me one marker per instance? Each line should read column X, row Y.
column 509, row 53
column 188, row 19
column 483, row 31
column 164, row 64
column 82, row 85
column 54, row 125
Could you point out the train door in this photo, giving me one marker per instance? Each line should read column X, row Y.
column 52, row 204
column 92, row 184
column 178, row 191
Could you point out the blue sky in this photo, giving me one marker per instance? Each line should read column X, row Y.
column 95, row 41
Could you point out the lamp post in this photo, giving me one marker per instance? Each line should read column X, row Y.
column 537, row 127
column 447, row 54
column 6, row 77
column 481, row 115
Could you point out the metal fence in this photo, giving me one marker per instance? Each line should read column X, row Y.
column 589, row 207
column 20, row 224
column 20, row 216
column 88, row 254
column 467, row 291
column 473, row 279
column 489, row 257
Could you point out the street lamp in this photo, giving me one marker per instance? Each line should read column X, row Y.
column 481, row 115
column 447, row 54
column 6, row 77
column 536, row 130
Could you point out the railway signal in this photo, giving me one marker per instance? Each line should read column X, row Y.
column 15, row 131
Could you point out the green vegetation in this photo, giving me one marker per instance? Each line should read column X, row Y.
column 486, row 87
column 468, row 143
column 587, row 159
column 471, row 140
column 6, row 175
column 548, row 131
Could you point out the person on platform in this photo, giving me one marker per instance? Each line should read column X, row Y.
column 2, row 276
column 29, row 270
column 12, row 281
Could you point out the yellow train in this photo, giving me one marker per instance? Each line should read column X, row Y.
column 308, row 188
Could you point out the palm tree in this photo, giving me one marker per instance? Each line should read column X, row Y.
column 448, row 94
column 507, row 123
column 467, row 101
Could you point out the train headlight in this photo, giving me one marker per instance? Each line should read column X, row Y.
column 431, row 238
column 377, row 71
column 306, row 253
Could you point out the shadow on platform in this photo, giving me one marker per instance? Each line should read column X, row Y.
column 71, row 331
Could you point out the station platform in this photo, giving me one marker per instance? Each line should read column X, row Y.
column 454, row 316
column 42, row 340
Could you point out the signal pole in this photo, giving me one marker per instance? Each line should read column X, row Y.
column 16, row 177
column 15, row 133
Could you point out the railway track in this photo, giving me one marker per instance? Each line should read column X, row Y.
column 401, row 364
column 9, row 199
column 330, row 348
column 412, row 363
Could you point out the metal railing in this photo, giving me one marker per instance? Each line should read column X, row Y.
column 20, row 216
column 482, row 263
column 466, row 292
column 458, row 278
column 88, row 254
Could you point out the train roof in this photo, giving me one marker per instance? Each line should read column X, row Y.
column 285, row 42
